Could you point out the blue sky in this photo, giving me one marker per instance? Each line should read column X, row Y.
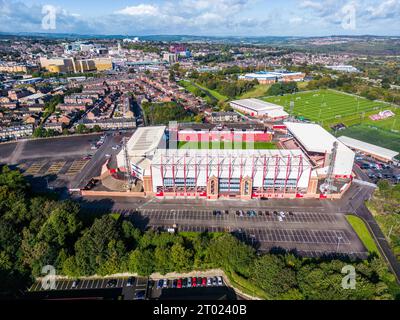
column 207, row 17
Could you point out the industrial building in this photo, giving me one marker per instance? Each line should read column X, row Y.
column 267, row 77
column 308, row 162
column 260, row 109
column 69, row 65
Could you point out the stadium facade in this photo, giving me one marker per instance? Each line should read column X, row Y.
column 296, row 168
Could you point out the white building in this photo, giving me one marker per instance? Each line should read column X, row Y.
column 372, row 150
column 259, row 108
column 343, row 68
column 317, row 142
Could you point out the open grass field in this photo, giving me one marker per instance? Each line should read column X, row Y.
column 363, row 233
column 214, row 93
column 329, row 107
column 257, row 92
column 222, row 145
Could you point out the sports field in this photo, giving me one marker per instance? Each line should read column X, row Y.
column 329, row 107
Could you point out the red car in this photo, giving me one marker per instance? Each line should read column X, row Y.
column 179, row 284
column 194, row 282
column 204, row 282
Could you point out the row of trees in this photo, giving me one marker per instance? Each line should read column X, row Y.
column 227, row 86
column 281, row 88
column 352, row 84
column 163, row 113
column 38, row 230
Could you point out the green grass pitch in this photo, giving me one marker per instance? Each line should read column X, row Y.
column 329, row 107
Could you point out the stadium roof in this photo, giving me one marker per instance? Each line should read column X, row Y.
column 221, row 154
column 145, row 140
column 314, row 138
column 368, row 148
column 256, row 105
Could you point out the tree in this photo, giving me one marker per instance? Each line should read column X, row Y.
column 142, row 262
column 182, row 258
column 61, row 225
column 81, row 128
column 227, row 252
column 272, row 274
column 162, row 260
column 92, row 249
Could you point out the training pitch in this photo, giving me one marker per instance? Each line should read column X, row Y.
column 329, row 107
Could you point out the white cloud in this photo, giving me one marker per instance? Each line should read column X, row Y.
column 140, row 10
column 385, row 9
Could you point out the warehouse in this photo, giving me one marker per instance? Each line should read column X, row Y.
column 260, row 109
column 267, row 77
column 376, row 152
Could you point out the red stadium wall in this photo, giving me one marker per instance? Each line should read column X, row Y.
column 224, row 136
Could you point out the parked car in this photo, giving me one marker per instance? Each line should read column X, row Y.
column 204, row 282
column 130, row 281
column 184, row 282
column 111, row 283
column 160, row 284
column 189, row 282
column 165, row 283
column 174, row 283
column 194, row 282
column 220, row 282
column 179, row 284
column 140, row 295
column 199, row 281
column 209, row 282
column 215, row 281
column 75, row 283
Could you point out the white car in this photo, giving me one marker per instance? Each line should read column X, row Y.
column 280, row 219
column 282, row 214
column 220, row 282
column 108, row 155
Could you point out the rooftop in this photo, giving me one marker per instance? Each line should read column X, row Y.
column 368, row 148
column 256, row 105
column 145, row 140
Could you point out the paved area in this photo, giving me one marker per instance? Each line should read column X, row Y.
column 59, row 163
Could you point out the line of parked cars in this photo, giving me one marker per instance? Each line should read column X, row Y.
column 377, row 171
column 253, row 213
column 191, row 282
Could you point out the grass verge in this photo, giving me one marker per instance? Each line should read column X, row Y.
column 363, row 233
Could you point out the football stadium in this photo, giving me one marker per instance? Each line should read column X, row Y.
column 307, row 162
